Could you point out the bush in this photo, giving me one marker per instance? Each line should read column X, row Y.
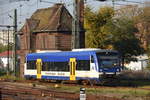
column 2, row 72
column 11, row 78
column 135, row 75
column 148, row 66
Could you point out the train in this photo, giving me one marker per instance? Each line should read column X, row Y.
column 75, row 65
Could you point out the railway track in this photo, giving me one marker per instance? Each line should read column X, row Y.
column 20, row 91
column 86, row 86
column 48, row 83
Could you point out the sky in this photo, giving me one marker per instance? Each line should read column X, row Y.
column 26, row 8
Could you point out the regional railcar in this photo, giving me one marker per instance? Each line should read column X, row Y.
column 73, row 65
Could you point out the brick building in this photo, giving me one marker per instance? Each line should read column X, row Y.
column 47, row 29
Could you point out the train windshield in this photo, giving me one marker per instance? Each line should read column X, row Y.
column 108, row 60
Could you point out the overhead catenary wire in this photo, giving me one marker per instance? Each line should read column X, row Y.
column 3, row 2
column 114, row 2
column 30, row 5
column 120, row 4
column 18, row 6
column 134, row 2
column 6, row 12
column 47, row 1
column 64, row 2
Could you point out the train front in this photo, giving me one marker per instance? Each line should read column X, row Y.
column 109, row 63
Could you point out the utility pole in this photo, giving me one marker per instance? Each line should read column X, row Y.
column 77, row 25
column 8, row 53
column 15, row 43
column 7, row 26
column 113, row 2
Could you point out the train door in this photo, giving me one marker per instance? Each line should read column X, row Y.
column 39, row 68
column 72, row 69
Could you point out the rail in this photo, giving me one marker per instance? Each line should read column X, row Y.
column 9, row 91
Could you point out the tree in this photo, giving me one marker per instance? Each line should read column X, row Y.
column 5, row 47
column 94, row 25
column 106, row 31
column 128, row 11
column 142, row 21
column 124, row 39
column 2, row 48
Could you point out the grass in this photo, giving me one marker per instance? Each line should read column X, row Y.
column 142, row 90
column 11, row 77
column 128, row 90
column 146, row 87
column 119, row 92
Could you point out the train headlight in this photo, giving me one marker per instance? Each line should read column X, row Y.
column 100, row 70
column 117, row 70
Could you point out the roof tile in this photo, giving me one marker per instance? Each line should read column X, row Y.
column 51, row 19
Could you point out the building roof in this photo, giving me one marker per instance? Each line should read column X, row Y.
column 56, row 18
column 5, row 53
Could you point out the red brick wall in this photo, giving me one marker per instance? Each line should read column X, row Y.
column 25, row 38
column 42, row 41
column 53, row 41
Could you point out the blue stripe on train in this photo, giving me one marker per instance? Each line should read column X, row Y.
column 62, row 77
column 56, row 77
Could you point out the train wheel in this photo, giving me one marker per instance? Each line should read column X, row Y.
column 92, row 82
column 85, row 82
column 102, row 83
column 58, row 81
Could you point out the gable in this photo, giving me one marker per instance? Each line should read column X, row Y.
column 56, row 18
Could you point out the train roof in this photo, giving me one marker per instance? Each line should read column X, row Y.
column 84, row 55
column 74, row 52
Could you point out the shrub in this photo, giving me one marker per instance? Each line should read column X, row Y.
column 2, row 72
column 135, row 75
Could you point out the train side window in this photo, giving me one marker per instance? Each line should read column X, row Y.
column 57, row 66
column 31, row 64
column 83, row 65
column 92, row 59
column 45, row 66
column 51, row 66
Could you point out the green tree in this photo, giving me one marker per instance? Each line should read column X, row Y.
column 124, row 39
column 141, row 18
column 142, row 21
column 148, row 67
column 2, row 48
column 5, row 47
column 94, row 24
column 106, row 31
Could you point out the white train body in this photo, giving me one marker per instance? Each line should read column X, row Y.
column 73, row 65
